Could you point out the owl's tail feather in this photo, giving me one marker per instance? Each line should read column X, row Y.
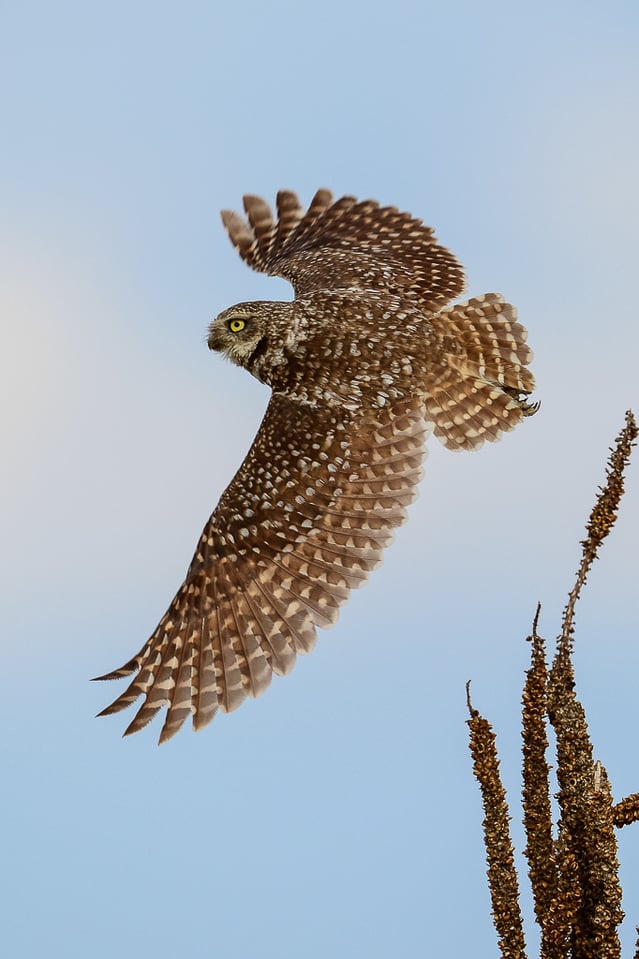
column 480, row 380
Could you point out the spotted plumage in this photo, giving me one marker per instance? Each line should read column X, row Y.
column 363, row 363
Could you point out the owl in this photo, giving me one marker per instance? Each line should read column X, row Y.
column 364, row 363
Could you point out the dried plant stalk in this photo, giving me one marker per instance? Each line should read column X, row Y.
column 586, row 830
column 601, row 521
column 586, row 827
column 550, row 911
column 502, row 875
column 574, row 877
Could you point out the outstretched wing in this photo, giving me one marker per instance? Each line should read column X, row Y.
column 303, row 522
column 345, row 245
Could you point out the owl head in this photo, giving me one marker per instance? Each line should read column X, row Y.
column 247, row 332
column 237, row 332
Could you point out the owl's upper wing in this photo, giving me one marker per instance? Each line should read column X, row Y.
column 302, row 523
column 345, row 245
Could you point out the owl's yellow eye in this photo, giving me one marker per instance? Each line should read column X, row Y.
column 235, row 326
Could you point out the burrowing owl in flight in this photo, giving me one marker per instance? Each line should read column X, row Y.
column 363, row 363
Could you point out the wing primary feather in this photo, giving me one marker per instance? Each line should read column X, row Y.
column 240, row 233
column 304, row 634
column 260, row 217
column 290, row 213
column 179, row 696
column 231, row 690
column 124, row 700
column 204, row 705
column 161, row 679
column 256, row 674
column 131, row 667
column 207, row 701
column 278, row 651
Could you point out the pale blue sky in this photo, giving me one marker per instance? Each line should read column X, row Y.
column 336, row 815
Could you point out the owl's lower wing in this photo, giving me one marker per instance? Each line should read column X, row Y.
column 345, row 245
column 304, row 521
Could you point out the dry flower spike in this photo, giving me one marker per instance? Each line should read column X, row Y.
column 574, row 877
